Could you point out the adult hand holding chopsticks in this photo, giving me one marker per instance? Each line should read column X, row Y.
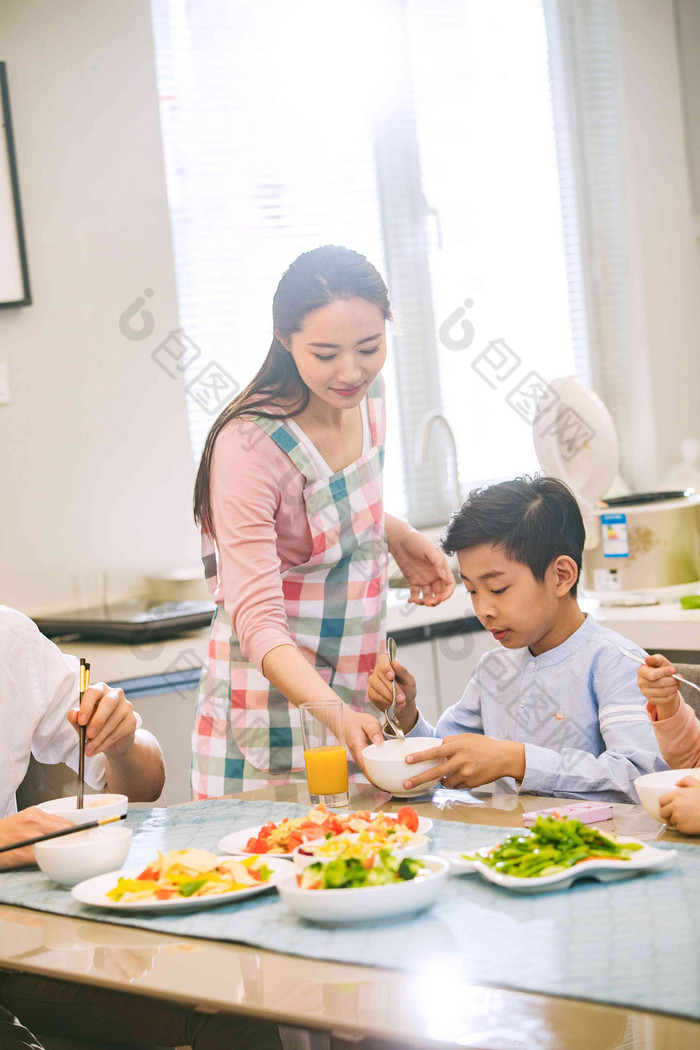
column 109, row 720
column 27, row 824
column 133, row 758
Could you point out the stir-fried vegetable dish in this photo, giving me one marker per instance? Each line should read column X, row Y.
column 553, row 845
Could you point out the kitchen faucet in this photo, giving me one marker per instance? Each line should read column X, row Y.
column 424, row 431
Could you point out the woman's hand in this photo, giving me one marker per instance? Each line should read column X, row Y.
column 360, row 730
column 381, row 693
column 27, row 824
column 424, row 566
column 109, row 720
column 681, row 808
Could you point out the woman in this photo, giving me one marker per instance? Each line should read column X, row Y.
column 289, row 500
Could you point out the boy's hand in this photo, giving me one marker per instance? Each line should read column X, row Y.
column 681, row 808
column 27, row 824
column 655, row 681
column 380, row 690
column 468, row 760
column 109, row 718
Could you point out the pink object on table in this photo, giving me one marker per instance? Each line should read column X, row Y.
column 586, row 812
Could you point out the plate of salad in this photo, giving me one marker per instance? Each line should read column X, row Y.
column 182, row 880
column 555, row 852
column 281, row 839
column 351, row 890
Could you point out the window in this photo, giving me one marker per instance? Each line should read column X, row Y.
column 416, row 132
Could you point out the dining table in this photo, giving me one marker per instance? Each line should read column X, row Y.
column 359, row 1005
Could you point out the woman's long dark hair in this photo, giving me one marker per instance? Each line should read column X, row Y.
column 313, row 280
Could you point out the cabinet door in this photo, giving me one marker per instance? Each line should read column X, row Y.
column 418, row 659
column 455, row 659
column 169, row 716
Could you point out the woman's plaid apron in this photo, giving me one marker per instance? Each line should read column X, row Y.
column 246, row 734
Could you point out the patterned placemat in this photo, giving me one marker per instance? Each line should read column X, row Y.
column 632, row 943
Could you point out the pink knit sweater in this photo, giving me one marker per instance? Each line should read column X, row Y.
column 678, row 737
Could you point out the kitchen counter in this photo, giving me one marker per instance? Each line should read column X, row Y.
column 668, row 628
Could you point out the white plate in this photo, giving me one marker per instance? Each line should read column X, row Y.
column 93, row 891
column 647, row 859
column 237, row 840
column 366, row 903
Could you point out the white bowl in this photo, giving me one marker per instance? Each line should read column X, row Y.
column 73, row 858
column 366, row 903
column 386, row 766
column 94, row 807
column 305, row 854
column 652, row 786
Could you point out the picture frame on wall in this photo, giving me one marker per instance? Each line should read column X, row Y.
column 14, row 271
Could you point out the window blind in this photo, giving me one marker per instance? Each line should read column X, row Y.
column 418, row 133
column 583, row 63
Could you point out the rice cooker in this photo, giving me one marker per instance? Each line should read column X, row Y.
column 640, row 549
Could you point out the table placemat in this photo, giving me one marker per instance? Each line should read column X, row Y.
column 633, row 943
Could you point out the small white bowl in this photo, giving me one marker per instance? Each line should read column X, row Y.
column 73, row 858
column 94, row 807
column 305, row 854
column 386, row 766
column 652, row 786
column 366, row 903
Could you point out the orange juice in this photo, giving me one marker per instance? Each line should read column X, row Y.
column 326, row 770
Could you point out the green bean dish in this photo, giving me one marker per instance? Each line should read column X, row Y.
column 551, row 846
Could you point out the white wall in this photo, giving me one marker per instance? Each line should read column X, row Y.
column 664, row 249
column 95, row 462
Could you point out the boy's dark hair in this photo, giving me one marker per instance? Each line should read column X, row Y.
column 534, row 520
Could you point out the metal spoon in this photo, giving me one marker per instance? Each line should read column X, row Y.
column 391, row 728
column 679, row 678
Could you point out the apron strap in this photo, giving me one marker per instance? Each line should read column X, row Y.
column 285, row 440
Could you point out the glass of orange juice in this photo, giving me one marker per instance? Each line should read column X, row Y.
column 324, row 752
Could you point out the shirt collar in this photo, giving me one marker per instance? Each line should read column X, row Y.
column 575, row 642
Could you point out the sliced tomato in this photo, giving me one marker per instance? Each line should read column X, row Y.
column 265, row 831
column 408, row 817
column 256, row 846
column 336, row 825
column 148, row 873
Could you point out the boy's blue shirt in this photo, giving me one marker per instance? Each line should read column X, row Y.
column 577, row 708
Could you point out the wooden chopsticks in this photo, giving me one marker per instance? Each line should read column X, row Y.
column 64, row 831
column 84, row 683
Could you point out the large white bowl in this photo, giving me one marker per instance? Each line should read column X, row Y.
column 95, row 807
column 652, row 786
column 366, row 903
column 386, row 766
column 73, row 858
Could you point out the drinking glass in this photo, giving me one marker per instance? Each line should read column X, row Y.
column 324, row 752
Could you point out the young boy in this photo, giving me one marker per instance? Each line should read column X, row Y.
column 557, row 708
